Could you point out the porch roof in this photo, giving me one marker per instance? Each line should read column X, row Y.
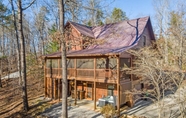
column 84, row 53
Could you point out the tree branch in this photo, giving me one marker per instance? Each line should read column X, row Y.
column 29, row 5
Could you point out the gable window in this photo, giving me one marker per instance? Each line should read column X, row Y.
column 144, row 40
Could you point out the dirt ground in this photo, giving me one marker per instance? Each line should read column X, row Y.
column 11, row 101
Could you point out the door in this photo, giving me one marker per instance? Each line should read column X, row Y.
column 71, row 88
column 90, row 91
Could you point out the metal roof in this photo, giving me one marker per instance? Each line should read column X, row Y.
column 116, row 37
column 83, row 29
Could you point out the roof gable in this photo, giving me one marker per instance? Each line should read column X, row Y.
column 83, row 29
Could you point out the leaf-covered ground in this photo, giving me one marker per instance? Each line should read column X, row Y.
column 10, row 95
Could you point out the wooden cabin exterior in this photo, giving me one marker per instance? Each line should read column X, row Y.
column 97, row 71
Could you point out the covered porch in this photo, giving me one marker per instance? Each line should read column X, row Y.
column 91, row 77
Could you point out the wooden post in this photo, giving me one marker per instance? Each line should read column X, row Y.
column 58, row 67
column 59, row 89
column 75, row 83
column 48, row 87
column 58, row 81
column 45, row 79
column 51, row 88
column 1, row 72
column 54, row 82
column 94, row 83
column 118, row 85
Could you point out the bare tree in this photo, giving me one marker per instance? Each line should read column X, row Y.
column 22, row 55
column 157, row 77
column 1, row 72
column 17, row 41
column 64, row 60
column 162, row 14
column 22, row 52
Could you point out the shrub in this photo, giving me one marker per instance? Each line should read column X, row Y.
column 108, row 111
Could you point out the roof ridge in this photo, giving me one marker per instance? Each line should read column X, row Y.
column 122, row 21
column 83, row 29
column 80, row 24
column 91, row 33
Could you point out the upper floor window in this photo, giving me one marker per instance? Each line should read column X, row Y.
column 144, row 40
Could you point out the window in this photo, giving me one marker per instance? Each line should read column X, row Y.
column 89, row 90
column 48, row 63
column 69, row 46
column 101, row 63
column 70, row 63
column 112, row 63
column 144, row 40
column 85, row 63
column 124, row 63
column 110, row 91
column 54, row 63
column 106, row 63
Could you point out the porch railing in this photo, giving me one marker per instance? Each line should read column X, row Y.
column 85, row 73
column 71, row 72
column 57, row 72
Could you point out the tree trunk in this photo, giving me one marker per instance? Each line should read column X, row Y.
column 1, row 73
column 22, row 54
column 34, row 49
column 3, row 41
column 17, row 41
column 64, row 61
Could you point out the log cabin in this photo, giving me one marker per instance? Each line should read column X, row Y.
column 96, row 70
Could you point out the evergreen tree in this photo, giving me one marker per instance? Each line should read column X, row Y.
column 116, row 16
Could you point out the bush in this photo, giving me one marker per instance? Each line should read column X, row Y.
column 108, row 111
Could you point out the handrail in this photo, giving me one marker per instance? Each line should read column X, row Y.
column 100, row 73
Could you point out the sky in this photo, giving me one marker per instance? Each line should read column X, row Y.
column 135, row 8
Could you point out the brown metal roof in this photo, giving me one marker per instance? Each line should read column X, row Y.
column 116, row 37
column 83, row 29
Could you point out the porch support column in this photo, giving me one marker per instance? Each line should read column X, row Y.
column 54, row 88
column 51, row 88
column 94, row 83
column 45, row 81
column 58, row 80
column 75, row 82
column 58, row 88
column 118, row 85
column 48, row 87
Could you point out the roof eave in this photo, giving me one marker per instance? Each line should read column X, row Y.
column 83, row 55
column 151, row 29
